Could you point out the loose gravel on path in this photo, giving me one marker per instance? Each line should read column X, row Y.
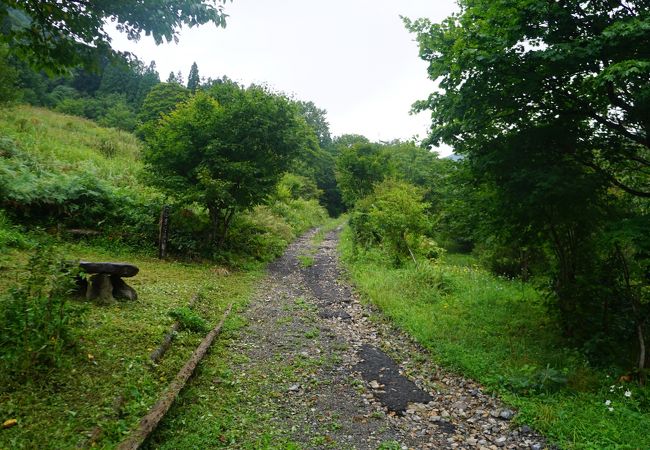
column 360, row 383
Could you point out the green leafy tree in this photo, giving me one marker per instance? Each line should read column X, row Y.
column 162, row 99
column 317, row 119
column 131, row 78
column 548, row 102
column 8, row 77
column 575, row 68
column 193, row 79
column 358, row 168
column 348, row 140
column 119, row 115
column 148, row 78
column 226, row 157
column 57, row 35
column 174, row 78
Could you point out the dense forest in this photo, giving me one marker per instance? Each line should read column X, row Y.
column 523, row 261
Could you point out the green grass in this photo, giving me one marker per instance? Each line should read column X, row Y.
column 306, row 260
column 221, row 408
column 112, row 357
column 500, row 333
column 329, row 225
column 71, row 144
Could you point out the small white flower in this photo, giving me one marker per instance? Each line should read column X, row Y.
column 610, row 409
column 612, row 386
column 608, row 402
column 620, row 387
column 628, row 393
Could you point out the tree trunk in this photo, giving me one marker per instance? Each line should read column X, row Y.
column 220, row 219
column 641, row 337
column 638, row 319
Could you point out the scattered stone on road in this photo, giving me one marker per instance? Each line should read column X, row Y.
column 359, row 382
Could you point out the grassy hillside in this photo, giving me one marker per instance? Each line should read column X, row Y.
column 72, row 144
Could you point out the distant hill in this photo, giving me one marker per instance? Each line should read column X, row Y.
column 454, row 157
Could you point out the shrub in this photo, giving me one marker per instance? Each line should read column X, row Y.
column 293, row 187
column 10, row 236
column 60, row 94
column 33, row 193
column 393, row 218
column 300, row 214
column 189, row 230
column 36, row 319
column 119, row 115
column 260, row 233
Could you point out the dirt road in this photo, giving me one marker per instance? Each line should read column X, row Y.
column 329, row 372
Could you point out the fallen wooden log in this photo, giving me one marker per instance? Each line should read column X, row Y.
column 158, row 353
column 149, row 422
column 82, row 232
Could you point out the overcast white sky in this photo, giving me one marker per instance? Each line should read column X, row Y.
column 353, row 58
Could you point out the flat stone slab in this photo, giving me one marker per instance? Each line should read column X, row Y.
column 118, row 269
column 393, row 390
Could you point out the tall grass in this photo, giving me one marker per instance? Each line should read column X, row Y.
column 499, row 332
column 72, row 144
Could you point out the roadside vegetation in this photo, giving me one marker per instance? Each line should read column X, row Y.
column 523, row 262
column 104, row 379
column 498, row 330
column 75, row 373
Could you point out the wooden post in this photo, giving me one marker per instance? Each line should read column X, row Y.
column 164, row 232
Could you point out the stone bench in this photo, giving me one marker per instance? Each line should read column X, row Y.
column 106, row 284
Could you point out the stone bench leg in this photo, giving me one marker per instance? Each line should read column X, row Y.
column 100, row 288
column 105, row 288
column 121, row 290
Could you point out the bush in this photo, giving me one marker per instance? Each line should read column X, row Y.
column 300, row 214
column 189, row 229
column 393, row 218
column 10, row 236
column 36, row 319
column 40, row 196
column 62, row 93
column 260, row 233
column 119, row 115
column 293, row 187
column 8, row 78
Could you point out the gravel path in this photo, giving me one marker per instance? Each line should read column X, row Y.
column 359, row 383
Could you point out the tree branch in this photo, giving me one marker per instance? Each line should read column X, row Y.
column 612, row 179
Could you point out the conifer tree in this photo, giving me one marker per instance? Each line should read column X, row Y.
column 193, row 80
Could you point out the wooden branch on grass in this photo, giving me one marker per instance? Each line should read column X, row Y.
column 158, row 353
column 158, row 411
